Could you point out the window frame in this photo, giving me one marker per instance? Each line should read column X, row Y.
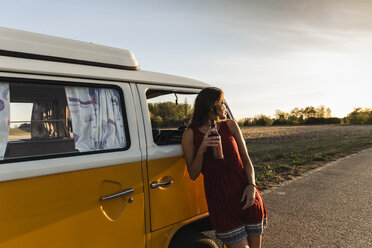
column 143, row 88
column 72, row 84
column 162, row 131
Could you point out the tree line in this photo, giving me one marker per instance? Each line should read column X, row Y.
column 309, row 116
column 172, row 115
column 169, row 114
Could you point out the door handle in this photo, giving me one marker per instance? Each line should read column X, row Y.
column 155, row 185
column 120, row 194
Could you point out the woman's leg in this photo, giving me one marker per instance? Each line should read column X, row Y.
column 240, row 244
column 255, row 241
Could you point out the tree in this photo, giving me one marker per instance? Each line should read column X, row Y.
column 328, row 113
column 280, row 114
column 320, row 112
column 360, row 116
column 309, row 112
column 169, row 114
column 296, row 112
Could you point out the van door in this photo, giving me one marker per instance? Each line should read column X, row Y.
column 173, row 195
column 57, row 191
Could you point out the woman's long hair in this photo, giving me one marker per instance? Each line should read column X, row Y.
column 206, row 100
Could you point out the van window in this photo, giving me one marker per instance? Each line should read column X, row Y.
column 170, row 113
column 45, row 119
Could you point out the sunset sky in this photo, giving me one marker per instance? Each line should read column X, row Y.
column 265, row 54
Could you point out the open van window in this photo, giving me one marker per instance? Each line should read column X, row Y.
column 170, row 113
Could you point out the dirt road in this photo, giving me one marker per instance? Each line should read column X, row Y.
column 328, row 207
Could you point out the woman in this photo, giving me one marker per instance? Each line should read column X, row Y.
column 236, row 209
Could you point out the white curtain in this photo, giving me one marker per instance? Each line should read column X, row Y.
column 96, row 116
column 4, row 117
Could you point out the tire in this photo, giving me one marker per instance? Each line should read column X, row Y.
column 192, row 239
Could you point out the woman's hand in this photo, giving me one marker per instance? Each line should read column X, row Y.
column 209, row 142
column 250, row 195
column 194, row 159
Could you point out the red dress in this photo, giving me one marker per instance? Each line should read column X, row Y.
column 224, row 183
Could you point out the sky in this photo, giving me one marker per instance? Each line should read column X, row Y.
column 266, row 55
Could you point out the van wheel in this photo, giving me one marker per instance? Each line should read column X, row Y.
column 192, row 239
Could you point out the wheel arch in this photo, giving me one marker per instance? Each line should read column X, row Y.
column 202, row 225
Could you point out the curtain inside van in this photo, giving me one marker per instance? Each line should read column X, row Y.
column 96, row 117
column 4, row 117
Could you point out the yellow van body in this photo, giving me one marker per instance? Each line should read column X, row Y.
column 140, row 196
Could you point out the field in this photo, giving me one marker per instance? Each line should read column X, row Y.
column 280, row 153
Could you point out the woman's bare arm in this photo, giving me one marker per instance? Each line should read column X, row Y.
column 248, row 166
column 194, row 159
column 249, row 192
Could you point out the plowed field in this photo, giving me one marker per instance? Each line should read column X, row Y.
column 280, row 153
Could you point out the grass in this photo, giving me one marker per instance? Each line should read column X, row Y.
column 282, row 154
column 17, row 131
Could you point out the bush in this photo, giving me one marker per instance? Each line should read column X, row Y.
column 25, row 127
column 360, row 116
column 316, row 121
column 262, row 120
column 246, row 122
column 280, row 122
column 259, row 120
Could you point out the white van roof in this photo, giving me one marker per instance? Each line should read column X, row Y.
column 38, row 54
column 24, row 44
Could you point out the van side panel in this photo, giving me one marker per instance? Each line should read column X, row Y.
column 64, row 210
column 181, row 200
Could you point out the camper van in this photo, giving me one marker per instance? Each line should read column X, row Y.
column 90, row 149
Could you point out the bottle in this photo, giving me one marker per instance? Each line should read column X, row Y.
column 216, row 150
